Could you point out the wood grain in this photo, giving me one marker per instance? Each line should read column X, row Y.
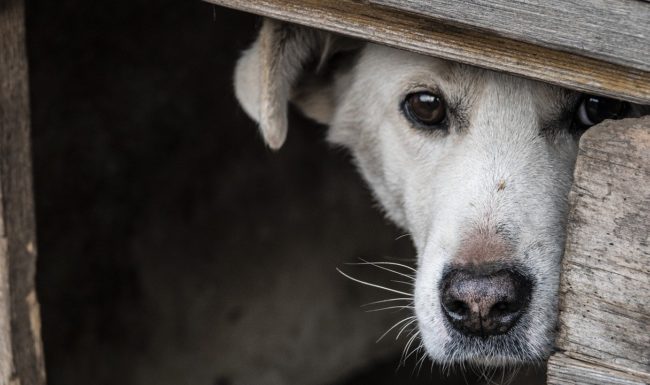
column 604, row 334
column 21, row 358
column 616, row 31
column 570, row 371
column 468, row 45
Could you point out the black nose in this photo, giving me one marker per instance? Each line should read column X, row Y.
column 481, row 304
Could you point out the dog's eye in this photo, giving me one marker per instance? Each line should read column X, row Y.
column 595, row 109
column 424, row 108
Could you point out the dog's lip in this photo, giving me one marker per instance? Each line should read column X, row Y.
column 496, row 357
column 471, row 349
column 496, row 361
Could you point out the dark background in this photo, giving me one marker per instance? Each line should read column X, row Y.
column 151, row 186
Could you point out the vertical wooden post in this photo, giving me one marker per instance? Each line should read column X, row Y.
column 21, row 353
column 605, row 289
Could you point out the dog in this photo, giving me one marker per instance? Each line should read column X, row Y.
column 475, row 165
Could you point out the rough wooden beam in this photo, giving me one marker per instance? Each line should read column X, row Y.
column 21, row 357
column 617, row 31
column 417, row 33
column 605, row 289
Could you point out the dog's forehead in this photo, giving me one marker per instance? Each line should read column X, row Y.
column 404, row 70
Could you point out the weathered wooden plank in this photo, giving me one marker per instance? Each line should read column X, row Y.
column 416, row 33
column 616, row 31
column 21, row 358
column 570, row 371
column 604, row 335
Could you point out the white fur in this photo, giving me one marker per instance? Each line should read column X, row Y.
column 499, row 168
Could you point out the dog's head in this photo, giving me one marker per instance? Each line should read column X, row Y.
column 475, row 165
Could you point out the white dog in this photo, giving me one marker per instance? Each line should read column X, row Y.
column 476, row 165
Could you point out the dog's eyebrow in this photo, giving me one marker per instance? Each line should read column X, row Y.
column 551, row 127
column 458, row 111
column 467, row 87
column 552, row 124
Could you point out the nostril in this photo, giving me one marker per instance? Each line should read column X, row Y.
column 457, row 309
column 504, row 308
column 499, row 309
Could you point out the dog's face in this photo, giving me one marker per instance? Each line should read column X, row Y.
column 482, row 191
column 475, row 165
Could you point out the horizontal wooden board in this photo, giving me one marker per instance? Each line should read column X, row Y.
column 617, row 31
column 416, row 33
column 605, row 287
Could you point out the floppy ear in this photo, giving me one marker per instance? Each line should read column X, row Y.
column 282, row 65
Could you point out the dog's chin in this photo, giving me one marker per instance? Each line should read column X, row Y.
column 510, row 349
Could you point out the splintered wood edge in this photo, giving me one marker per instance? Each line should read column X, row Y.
column 418, row 34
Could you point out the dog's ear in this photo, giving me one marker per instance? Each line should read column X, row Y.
column 288, row 62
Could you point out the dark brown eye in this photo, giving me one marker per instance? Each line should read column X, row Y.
column 595, row 109
column 424, row 108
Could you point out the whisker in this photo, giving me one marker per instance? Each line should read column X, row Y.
column 372, row 284
column 391, row 263
column 388, row 300
column 418, row 359
column 406, row 353
column 393, row 327
column 462, row 372
column 513, row 374
column 402, row 236
column 404, row 282
column 404, row 327
column 381, row 264
column 422, row 360
column 389, row 308
column 489, row 375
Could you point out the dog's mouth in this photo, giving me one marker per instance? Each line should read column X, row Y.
column 494, row 350
column 448, row 344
